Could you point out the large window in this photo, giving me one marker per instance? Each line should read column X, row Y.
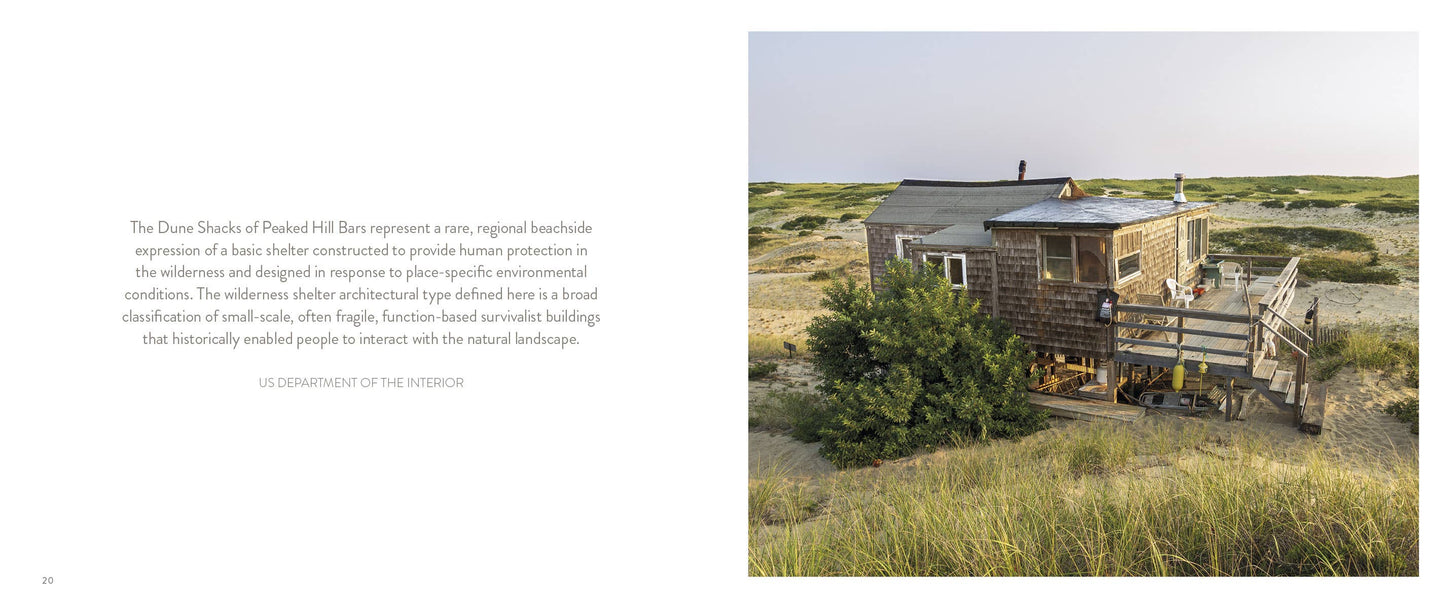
column 1079, row 259
column 1197, row 238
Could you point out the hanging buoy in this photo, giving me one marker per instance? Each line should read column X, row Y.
column 1179, row 373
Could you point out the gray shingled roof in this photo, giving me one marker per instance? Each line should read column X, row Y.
column 935, row 203
column 959, row 235
column 1090, row 212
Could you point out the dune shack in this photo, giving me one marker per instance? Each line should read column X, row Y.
column 1110, row 293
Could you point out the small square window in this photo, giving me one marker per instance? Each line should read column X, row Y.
column 957, row 271
column 1058, row 258
column 1129, row 265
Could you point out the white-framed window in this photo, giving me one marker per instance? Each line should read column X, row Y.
column 1077, row 259
column 1197, row 238
column 955, row 267
column 1127, row 262
column 902, row 242
column 1058, row 257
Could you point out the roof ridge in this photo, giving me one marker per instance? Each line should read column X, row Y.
column 1007, row 182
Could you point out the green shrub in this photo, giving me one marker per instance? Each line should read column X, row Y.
column 756, row 239
column 804, row 222
column 1407, row 411
column 850, row 216
column 822, row 275
column 1272, row 204
column 1287, row 240
column 1197, row 187
column 1404, row 207
column 832, row 237
column 805, row 233
column 915, row 365
column 761, row 369
column 799, row 259
column 1318, row 203
column 1275, row 189
column 801, row 415
column 1345, row 271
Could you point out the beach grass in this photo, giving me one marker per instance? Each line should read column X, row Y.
column 1098, row 501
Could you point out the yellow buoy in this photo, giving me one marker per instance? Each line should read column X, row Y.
column 1178, row 376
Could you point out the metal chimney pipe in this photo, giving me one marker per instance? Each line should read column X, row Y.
column 1023, row 166
column 1179, row 188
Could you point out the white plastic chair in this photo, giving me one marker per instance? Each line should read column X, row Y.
column 1179, row 293
column 1232, row 271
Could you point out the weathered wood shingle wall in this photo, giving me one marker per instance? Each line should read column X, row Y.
column 978, row 268
column 882, row 243
column 1052, row 317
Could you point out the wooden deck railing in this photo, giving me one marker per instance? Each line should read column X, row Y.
column 1262, row 322
column 1179, row 328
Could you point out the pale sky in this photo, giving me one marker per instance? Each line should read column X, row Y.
column 873, row 107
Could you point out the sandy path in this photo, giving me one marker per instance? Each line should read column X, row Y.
column 791, row 457
column 1352, row 303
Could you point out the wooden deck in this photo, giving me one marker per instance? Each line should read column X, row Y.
column 1080, row 409
column 1217, row 329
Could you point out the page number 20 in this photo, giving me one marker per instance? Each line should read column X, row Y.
column 47, row 580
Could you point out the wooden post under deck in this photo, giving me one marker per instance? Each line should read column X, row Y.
column 1113, row 381
column 1230, row 408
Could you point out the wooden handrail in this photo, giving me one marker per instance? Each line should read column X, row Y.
column 1237, row 256
column 1189, row 347
column 1286, row 322
column 1192, row 313
column 1191, row 331
column 1297, row 349
column 1285, row 280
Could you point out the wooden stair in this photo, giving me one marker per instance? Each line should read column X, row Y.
column 1312, row 420
column 1278, row 386
column 1265, row 369
column 1281, row 381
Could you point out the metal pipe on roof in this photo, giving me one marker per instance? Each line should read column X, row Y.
column 1179, row 188
column 1023, row 166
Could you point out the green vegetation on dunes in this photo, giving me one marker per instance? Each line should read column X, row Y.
column 1096, row 500
column 1290, row 240
column 1329, row 187
column 1329, row 254
column 1368, row 193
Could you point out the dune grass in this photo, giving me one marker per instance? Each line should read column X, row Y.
column 1369, row 346
column 1327, row 188
column 1099, row 501
column 821, row 199
column 1395, row 195
column 762, row 347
